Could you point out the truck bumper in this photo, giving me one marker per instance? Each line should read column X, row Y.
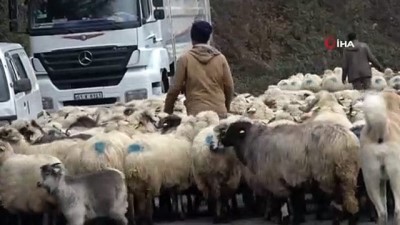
column 137, row 83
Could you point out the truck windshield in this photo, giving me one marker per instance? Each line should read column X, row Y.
column 4, row 93
column 68, row 16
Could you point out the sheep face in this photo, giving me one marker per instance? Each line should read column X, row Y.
column 168, row 123
column 51, row 176
column 10, row 134
column 234, row 136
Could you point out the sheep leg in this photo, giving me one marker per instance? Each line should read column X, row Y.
column 165, row 207
column 235, row 207
column 149, row 209
column 46, row 219
column 130, row 214
column 189, row 204
column 299, row 204
column 322, row 201
column 181, row 211
column 394, row 177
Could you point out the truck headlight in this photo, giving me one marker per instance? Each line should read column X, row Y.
column 135, row 95
column 47, row 103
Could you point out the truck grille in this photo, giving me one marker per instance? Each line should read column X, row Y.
column 103, row 66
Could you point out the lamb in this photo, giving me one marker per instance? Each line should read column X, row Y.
column 325, row 152
column 19, row 175
column 86, row 197
column 379, row 143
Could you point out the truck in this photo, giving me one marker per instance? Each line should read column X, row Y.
column 19, row 90
column 98, row 52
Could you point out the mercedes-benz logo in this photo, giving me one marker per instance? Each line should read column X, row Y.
column 85, row 58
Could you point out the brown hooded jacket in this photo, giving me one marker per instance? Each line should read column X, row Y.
column 204, row 75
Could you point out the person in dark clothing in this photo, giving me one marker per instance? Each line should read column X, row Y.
column 356, row 67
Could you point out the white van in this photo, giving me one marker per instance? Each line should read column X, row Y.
column 19, row 90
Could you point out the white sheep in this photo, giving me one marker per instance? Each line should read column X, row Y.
column 217, row 175
column 378, row 83
column 156, row 160
column 332, row 82
column 394, row 82
column 311, row 82
column 19, row 175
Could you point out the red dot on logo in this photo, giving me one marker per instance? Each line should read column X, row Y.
column 330, row 43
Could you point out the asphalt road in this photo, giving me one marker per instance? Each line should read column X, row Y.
column 208, row 221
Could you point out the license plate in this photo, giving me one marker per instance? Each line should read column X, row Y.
column 90, row 95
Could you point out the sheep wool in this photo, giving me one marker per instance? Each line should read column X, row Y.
column 19, row 175
column 214, row 173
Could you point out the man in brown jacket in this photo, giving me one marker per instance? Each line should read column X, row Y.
column 203, row 74
column 356, row 64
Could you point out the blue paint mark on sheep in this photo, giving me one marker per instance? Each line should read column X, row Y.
column 135, row 148
column 209, row 140
column 308, row 81
column 100, row 147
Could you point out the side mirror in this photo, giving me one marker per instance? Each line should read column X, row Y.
column 158, row 3
column 159, row 14
column 22, row 85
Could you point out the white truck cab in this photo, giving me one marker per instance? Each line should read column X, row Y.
column 98, row 52
column 19, row 90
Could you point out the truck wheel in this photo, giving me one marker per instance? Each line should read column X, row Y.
column 165, row 81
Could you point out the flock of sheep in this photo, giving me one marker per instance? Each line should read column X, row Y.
column 300, row 136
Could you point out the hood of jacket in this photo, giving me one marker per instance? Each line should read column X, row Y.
column 203, row 53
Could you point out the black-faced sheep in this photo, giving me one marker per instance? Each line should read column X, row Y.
column 323, row 152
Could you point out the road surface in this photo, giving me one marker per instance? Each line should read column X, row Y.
column 208, row 221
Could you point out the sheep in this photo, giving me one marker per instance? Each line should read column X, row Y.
column 216, row 175
column 332, row 82
column 325, row 152
column 156, row 161
column 19, row 175
column 258, row 110
column 378, row 83
column 240, row 103
column 326, row 107
column 104, row 150
column 294, row 83
column 388, row 73
column 86, row 197
column 379, row 143
column 67, row 151
column 394, row 82
column 311, row 82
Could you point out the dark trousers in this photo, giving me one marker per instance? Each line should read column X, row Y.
column 363, row 83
